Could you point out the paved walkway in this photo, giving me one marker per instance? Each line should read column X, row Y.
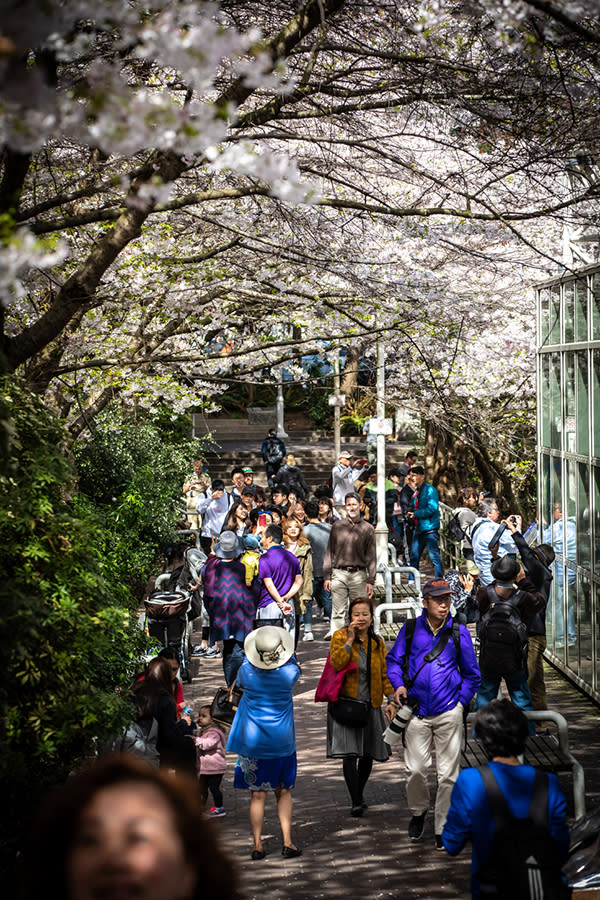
column 369, row 857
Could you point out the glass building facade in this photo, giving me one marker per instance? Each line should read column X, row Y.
column 568, row 451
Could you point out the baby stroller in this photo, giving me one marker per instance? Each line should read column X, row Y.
column 167, row 621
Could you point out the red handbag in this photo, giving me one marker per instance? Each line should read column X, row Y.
column 330, row 682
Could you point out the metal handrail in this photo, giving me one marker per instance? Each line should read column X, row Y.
column 410, row 606
column 549, row 715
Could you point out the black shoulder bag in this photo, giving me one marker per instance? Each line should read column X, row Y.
column 349, row 711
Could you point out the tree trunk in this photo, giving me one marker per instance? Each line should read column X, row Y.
column 446, row 461
column 349, row 379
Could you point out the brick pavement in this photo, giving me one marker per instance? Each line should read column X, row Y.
column 369, row 857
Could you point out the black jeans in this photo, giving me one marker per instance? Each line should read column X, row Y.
column 211, row 783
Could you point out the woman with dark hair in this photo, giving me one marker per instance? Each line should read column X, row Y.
column 326, row 510
column 503, row 729
column 368, row 681
column 122, row 828
column 237, row 519
column 155, row 698
column 298, row 510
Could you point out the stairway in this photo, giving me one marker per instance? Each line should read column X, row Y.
column 315, row 459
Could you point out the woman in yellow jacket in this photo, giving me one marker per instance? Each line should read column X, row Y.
column 358, row 747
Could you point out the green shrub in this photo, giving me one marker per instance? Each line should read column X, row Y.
column 134, row 476
column 68, row 635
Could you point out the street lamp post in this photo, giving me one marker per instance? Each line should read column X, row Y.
column 381, row 530
column 337, row 442
column 281, row 432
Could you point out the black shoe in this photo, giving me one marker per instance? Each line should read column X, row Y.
column 416, row 827
column 438, row 842
column 258, row 854
column 290, row 852
column 357, row 811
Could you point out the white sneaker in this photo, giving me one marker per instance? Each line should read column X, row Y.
column 308, row 636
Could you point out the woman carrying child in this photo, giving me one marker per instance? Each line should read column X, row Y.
column 210, row 759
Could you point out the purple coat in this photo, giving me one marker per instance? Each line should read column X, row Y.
column 440, row 684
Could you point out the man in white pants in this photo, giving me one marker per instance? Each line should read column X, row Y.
column 433, row 663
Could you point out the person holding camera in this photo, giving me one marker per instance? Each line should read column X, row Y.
column 487, row 533
column 432, row 667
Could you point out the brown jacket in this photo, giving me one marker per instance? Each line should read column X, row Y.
column 339, row 657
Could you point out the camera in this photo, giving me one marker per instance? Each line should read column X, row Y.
column 394, row 731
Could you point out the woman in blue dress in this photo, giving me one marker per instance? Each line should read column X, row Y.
column 263, row 732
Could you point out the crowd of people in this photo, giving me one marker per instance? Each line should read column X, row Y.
column 276, row 557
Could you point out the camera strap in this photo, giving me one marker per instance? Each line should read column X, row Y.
column 429, row 657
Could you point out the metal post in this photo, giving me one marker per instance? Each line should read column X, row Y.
column 381, row 530
column 337, row 443
column 281, row 432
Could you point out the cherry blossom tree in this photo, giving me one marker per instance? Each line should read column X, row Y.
column 181, row 178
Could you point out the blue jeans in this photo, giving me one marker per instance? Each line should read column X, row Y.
column 319, row 593
column 517, row 686
column 233, row 657
column 429, row 540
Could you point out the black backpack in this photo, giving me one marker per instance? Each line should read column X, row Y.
column 523, row 861
column 502, row 635
column 274, row 451
column 455, row 532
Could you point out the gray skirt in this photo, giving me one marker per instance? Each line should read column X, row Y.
column 368, row 741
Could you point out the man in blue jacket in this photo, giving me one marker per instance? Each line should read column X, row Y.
column 426, row 515
column 442, row 688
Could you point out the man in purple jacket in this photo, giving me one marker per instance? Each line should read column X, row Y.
column 433, row 663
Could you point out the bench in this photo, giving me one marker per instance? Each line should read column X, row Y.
column 408, row 604
column 547, row 752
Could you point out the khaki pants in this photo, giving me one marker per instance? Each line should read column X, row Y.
column 444, row 734
column 535, row 667
column 345, row 586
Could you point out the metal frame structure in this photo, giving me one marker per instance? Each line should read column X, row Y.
column 568, row 459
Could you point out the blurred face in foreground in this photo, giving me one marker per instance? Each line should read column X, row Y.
column 127, row 847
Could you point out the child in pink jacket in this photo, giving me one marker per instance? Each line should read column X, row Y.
column 210, row 759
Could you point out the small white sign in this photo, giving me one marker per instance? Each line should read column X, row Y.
column 337, row 400
column 381, row 426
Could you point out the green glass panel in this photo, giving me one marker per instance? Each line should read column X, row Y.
column 569, row 312
column 582, row 412
column 545, row 399
column 570, row 417
column 545, row 499
column 596, row 307
column 581, row 317
column 584, row 545
column 555, row 314
column 544, row 302
column 596, row 521
column 584, row 621
column 595, row 379
column 556, row 403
